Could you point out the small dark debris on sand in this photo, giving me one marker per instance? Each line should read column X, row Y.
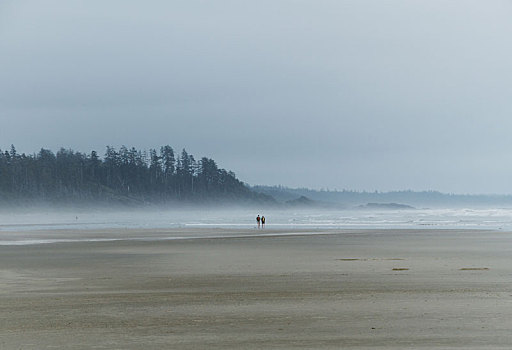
column 374, row 259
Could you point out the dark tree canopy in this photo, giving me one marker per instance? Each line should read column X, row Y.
column 126, row 174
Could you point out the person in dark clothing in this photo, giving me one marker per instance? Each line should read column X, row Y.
column 262, row 221
column 258, row 220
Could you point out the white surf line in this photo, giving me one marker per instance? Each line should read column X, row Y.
column 319, row 225
column 300, row 225
column 60, row 227
column 156, row 239
column 54, row 224
column 51, row 241
column 375, row 225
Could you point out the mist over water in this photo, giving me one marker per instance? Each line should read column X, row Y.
column 40, row 227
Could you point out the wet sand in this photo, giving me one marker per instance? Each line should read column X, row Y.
column 352, row 289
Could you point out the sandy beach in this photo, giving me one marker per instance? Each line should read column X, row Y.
column 350, row 289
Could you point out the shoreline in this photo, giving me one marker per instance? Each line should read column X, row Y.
column 63, row 236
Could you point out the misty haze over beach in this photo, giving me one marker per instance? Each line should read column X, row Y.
column 361, row 95
column 53, row 226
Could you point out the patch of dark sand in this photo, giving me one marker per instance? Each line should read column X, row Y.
column 374, row 259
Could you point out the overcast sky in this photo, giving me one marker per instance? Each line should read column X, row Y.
column 363, row 95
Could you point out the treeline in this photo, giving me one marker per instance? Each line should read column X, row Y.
column 124, row 175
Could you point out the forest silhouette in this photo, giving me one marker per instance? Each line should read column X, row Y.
column 126, row 175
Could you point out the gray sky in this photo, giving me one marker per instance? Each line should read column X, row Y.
column 364, row 95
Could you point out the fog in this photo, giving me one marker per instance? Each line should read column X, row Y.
column 363, row 95
column 46, row 226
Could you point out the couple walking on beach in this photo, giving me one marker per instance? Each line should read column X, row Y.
column 260, row 220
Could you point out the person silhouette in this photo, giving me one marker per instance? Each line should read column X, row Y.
column 258, row 219
column 262, row 221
